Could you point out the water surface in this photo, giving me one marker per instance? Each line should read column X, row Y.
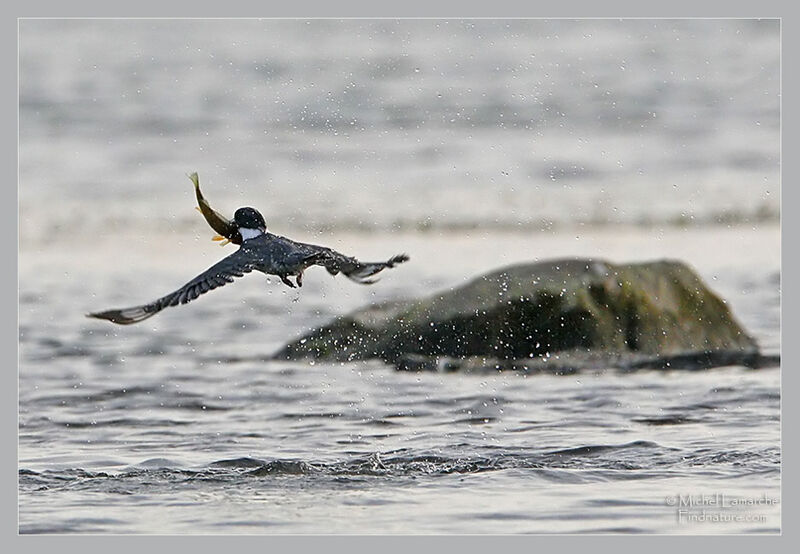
column 469, row 145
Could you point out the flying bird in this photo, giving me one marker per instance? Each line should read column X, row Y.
column 259, row 250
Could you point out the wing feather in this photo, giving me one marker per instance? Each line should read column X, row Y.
column 223, row 272
column 352, row 268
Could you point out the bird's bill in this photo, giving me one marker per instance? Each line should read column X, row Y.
column 218, row 238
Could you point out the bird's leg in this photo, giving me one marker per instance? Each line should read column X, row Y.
column 299, row 279
column 286, row 281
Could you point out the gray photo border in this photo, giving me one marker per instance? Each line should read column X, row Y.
column 363, row 8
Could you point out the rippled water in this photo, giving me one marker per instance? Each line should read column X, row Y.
column 470, row 145
column 276, row 448
column 182, row 424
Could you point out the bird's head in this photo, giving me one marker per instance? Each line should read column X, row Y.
column 249, row 222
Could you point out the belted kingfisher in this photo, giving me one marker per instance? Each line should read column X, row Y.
column 260, row 251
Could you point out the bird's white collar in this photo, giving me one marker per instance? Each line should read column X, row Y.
column 248, row 234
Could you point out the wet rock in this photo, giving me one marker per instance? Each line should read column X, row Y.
column 549, row 316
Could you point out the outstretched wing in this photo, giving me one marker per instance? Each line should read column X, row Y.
column 336, row 262
column 236, row 265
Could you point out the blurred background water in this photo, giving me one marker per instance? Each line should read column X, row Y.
column 469, row 144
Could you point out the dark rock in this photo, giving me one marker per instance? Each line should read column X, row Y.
column 548, row 316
